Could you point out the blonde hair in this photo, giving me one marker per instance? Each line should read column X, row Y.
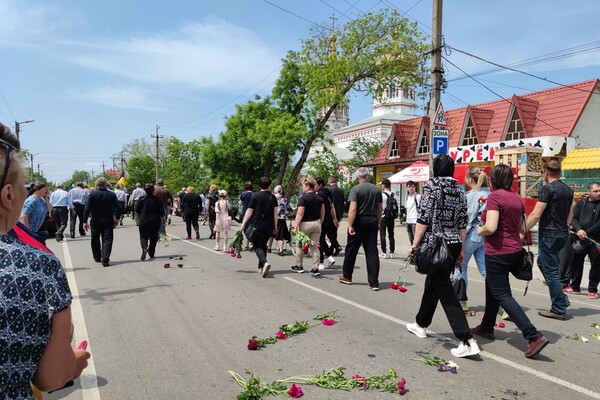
column 310, row 182
column 479, row 178
column 190, row 189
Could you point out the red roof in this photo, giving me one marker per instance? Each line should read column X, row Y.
column 550, row 112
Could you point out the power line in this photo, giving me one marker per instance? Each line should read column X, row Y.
column 514, row 70
column 7, row 106
column 506, row 100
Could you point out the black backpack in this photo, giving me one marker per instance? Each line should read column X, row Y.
column 391, row 207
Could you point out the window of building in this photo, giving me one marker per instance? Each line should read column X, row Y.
column 394, row 147
column 515, row 129
column 392, row 90
column 469, row 138
column 423, row 143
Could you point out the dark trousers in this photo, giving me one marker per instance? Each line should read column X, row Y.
column 332, row 234
column 212, row 219
column 102, row 228
column 79, row 208
column 576, row 269
column 387, row 224
column 410, row 229
column 498, row 294
column 61, row 218
column 438, row 287
column 191, row 219
column 260, row 246
column 565, row 256
column 365, row 228
column 324, row 249
column 148, row 237
column 121, row 210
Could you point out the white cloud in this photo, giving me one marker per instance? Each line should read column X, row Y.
column 24, row 22
column 213, row 54
column 120, row 97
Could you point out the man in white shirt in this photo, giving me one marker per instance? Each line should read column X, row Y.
column 61, row 204
column 413, row 200
column 122, row 199
column 137, row 193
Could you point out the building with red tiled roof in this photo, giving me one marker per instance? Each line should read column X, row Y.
column 556, row 120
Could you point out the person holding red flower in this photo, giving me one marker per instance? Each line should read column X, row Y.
column 309, row 218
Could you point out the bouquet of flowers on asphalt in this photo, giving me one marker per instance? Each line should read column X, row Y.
column 304, row 242
column 235, row 247
column 166, row 239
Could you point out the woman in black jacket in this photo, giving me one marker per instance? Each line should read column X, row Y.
column 150, row 211
column 192, row 206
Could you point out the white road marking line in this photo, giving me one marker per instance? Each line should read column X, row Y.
column 502, row 360
column 88, row 379
column 198, row 245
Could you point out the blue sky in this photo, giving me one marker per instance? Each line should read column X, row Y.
column 96, row 75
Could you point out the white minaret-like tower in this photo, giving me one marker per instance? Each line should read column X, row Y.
column 395, row 99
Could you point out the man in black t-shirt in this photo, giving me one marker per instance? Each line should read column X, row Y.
column 262, row 214
column 554, row 212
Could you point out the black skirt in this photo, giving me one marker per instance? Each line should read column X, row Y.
column 283, row 232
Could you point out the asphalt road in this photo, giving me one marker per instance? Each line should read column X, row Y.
column 157, row 333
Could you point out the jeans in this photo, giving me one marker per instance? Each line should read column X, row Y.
column 260, row 246
column 387, row 224
column 473, row 246
column 498, row 293
column 365, row 234
column 439, row 288
column 549, row 263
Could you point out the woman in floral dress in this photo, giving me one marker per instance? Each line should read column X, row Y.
column 35, row 300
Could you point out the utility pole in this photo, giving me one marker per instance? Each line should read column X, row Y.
column 122, row 162
column 157, row 150
column 18, row 126
column 103, row 169
column 436, row 73
column 31, row 159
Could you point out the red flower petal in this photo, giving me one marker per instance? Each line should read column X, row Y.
column 394, row 286
column 402, row 289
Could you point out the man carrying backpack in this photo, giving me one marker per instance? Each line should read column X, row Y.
column 390, row 213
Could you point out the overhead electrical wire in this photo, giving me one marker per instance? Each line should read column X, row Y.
column 504, row 99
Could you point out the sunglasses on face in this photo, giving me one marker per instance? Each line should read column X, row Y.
column 9, row 148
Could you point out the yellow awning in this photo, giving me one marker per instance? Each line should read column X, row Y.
column 582, row 159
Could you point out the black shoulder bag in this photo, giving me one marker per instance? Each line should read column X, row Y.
column 434, row 256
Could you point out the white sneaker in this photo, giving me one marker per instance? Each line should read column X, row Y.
column 382, row 255
column 330, row 262
column 392, row 255
column 225, row 249
column 321, row 267
column 464, row 350
column 216, row 247
column 417, row 330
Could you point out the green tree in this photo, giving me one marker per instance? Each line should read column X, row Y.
column 324, row 164
column 139, row 147
column 364, row 150
column 362, row 55
column 182, row 164
column 258, row 141
column 80, row 176
column 141, row 170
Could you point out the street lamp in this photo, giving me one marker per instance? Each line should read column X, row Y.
column 18, row 126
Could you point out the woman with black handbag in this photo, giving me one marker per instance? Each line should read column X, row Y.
column 442, row 218
column 504, row 219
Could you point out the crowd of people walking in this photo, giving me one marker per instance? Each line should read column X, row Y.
column 488, row 223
